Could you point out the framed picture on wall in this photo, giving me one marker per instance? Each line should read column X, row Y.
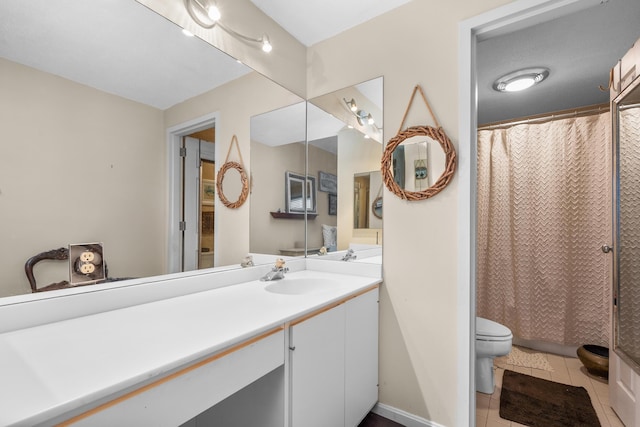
column 328, row 182
column 208, row 192
column 207, row 222
column 333, row 204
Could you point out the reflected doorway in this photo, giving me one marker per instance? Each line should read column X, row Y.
column 198, row 201
column 361, row 190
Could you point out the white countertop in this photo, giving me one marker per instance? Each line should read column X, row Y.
column 53, row 368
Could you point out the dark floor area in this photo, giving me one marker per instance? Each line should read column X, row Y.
column 375, row 420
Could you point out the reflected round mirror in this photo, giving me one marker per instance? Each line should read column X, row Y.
column 232, row 184
column 376, row 207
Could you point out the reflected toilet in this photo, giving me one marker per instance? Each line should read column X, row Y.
column 492, row 340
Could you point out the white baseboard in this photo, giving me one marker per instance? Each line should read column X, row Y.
column 402, row 417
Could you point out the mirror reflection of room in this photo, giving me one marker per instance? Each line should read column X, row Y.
column 278, row 147
column 95, row 154
column 334, row 127
column 417, row 163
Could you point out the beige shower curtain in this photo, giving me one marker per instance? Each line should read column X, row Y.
column 544, row 211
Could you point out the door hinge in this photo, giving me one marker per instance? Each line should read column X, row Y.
column 182, row 225
column 183, row 151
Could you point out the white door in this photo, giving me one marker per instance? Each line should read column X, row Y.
column 196, row 150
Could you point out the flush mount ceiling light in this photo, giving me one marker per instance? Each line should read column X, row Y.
column 521, row 79
column 206, row 14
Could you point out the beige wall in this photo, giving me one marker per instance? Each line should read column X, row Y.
column 414, row 44
column 77, row 165
column 321, row 160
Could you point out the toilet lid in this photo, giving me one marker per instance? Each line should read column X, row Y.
column 488, row 329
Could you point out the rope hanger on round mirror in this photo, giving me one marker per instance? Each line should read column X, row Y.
column 435, row 133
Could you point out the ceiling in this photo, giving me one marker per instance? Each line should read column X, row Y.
column 579, row 50
column 109, row 50
column 312, row 21
column 52, row 35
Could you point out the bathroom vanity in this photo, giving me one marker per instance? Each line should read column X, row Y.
column 298, row 351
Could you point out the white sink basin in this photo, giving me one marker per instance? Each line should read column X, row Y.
column 301, row 286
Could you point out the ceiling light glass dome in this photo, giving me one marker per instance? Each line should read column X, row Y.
column 521, row 79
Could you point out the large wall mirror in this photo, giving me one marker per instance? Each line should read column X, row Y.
column 85, row 152
column 344, row 132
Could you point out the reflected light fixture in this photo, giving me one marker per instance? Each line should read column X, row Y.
column 521, row 79
column 362, row 117
column 207, row 14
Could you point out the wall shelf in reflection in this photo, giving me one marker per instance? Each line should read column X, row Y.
column 289, row 215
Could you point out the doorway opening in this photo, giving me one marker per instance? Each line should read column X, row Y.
column 191, row 237
column 198, row 200
column 508, row 18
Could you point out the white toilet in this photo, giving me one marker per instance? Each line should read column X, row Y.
column 492, row 340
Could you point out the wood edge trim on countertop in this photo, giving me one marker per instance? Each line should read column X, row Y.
column 332, row 305
column 169, row 377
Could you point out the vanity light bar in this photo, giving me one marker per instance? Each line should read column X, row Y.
column 208, row 15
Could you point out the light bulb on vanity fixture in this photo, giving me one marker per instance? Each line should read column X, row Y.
column 352, row 105
column 266, row 44
column 207, row 14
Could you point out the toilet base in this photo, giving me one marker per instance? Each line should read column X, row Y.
column 484, row 375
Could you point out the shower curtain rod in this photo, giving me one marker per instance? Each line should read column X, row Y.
column 547, row 117
column 628, row 106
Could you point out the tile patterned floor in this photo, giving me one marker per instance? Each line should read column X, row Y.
column 567, row 370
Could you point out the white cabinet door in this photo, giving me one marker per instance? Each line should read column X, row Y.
column 361, row 357
column 317, row 370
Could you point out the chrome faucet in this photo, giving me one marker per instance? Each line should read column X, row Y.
column 349, row 255
column 277, row 272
